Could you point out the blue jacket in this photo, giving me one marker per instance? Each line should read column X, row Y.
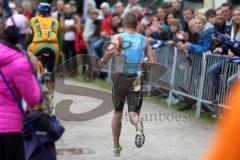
column 205, row 40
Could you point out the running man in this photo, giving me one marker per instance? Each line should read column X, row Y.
column 129, row 50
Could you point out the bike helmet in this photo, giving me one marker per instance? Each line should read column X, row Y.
column 44, row 9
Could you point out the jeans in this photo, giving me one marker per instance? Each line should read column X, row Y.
column 231, row 80
column 99, row 46
column 215, row 75
column 90, row 46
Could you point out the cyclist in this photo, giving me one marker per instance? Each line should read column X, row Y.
column 46, row 42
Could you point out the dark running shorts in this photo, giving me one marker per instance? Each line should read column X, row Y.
column 122, row 89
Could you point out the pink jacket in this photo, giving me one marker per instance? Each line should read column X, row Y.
column 19, row 75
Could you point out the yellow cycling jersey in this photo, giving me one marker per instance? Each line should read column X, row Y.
column 45, row 29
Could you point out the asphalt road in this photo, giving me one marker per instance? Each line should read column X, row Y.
column 169, row 135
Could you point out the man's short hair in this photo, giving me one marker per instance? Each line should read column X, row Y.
column 94, row 11
column 116, row 15
column 227, row 5
column 166, row 5
column 130, row 20
column 219, row 8
column 210, row 13
column 188, row 9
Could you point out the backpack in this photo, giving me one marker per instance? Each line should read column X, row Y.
column 45, row 29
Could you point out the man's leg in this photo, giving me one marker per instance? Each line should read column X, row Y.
column 134, row 118
column 214, row 73
column 66, row 52
column 116, row 127
column 232, row 80
column 134, row 107
column 118, row 96
column 98, row 47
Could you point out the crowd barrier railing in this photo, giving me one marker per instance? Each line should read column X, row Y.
column 188, row 76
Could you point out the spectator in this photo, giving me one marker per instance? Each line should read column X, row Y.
column 211, row 16
column 194, row 38
column 167, row 7
column 18, row 73
column 227, row 10
column 119, row 8
column 235, row 34
column 74, row 6
column 161, row 15
column 156, row 31
column 131, row 4
column 21, row 22
column 170, row 17
column 205, row 30
column 69, row 24
column 220, row 22
column 146, row 10
column 81, row 48
column 174, row 29
column 80, row 45
column 60, row 10
column 106, row 30
column 58, row 14
column 176, row 7
column 27, row 9
column 216, row 70
column 94, row 14
column 170, row 37
column 116, row 24
column 189, row 103
column 220, row 28
column 89, row 26
column 20, row 9
column 34, row 8
column 188, row 14
column 147, row 18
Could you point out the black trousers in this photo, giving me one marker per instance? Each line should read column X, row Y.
column 69, row 52
column 11, row 146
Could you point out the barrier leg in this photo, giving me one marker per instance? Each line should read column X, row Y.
column 169, row 98
column 201, row 86
column 173, row 75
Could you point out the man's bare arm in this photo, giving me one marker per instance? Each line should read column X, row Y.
column 111, row 49
column 149, row 52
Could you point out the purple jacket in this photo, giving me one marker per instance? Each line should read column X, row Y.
column 18, row 73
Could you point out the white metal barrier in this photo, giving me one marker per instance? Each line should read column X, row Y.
column 188, row 75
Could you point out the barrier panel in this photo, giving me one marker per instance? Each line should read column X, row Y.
column 191, row 78
column 164, row 57
column 188, row 75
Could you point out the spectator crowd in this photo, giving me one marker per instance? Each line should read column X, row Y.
column 168, row 24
